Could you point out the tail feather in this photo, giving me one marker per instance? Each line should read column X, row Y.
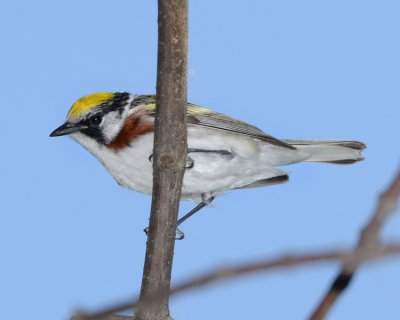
column 330, row 151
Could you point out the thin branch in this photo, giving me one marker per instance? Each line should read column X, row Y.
column 368, row 248
column 169, row 157
column 233, row 272
column 80, row 316
column 368, row 242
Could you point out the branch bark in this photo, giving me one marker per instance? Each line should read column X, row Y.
column 169, row 157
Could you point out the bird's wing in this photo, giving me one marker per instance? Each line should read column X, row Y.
column 204, row 117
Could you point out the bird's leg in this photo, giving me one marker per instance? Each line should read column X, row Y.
column 207, row 199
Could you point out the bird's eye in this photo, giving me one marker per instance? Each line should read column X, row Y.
column 95, row 120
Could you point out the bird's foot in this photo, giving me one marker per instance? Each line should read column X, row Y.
column 179, row 235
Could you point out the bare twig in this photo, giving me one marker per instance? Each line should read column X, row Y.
column 368, row 242
column 230, row 272
column 80, row 316
column 368, row 248
column 170, row 148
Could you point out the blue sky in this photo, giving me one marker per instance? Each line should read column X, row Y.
column 71, row 237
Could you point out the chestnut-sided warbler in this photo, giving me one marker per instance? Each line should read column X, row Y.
column 223, row 153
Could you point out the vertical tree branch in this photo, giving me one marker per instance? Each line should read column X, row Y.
column 170, row 148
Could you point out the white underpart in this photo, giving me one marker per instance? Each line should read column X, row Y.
column 252, row 160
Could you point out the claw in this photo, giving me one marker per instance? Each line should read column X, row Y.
column 179, row 235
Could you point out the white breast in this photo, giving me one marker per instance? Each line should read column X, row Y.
column 251, row 160
column 131, row 166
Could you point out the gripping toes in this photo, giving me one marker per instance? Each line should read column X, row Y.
column 179, row 235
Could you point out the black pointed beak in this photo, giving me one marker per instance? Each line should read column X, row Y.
column 67, row 128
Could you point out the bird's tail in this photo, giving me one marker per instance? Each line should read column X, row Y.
column 330, row 151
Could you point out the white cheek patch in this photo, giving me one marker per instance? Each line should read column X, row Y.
column 112, row 125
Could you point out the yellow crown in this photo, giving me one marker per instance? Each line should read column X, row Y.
column 88, row 102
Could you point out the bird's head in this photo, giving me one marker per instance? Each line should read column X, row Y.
column 109, row 118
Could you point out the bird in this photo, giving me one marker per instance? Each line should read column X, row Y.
column 223, row 153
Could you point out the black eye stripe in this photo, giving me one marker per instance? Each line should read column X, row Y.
column 95, row 133
column 95, row 118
